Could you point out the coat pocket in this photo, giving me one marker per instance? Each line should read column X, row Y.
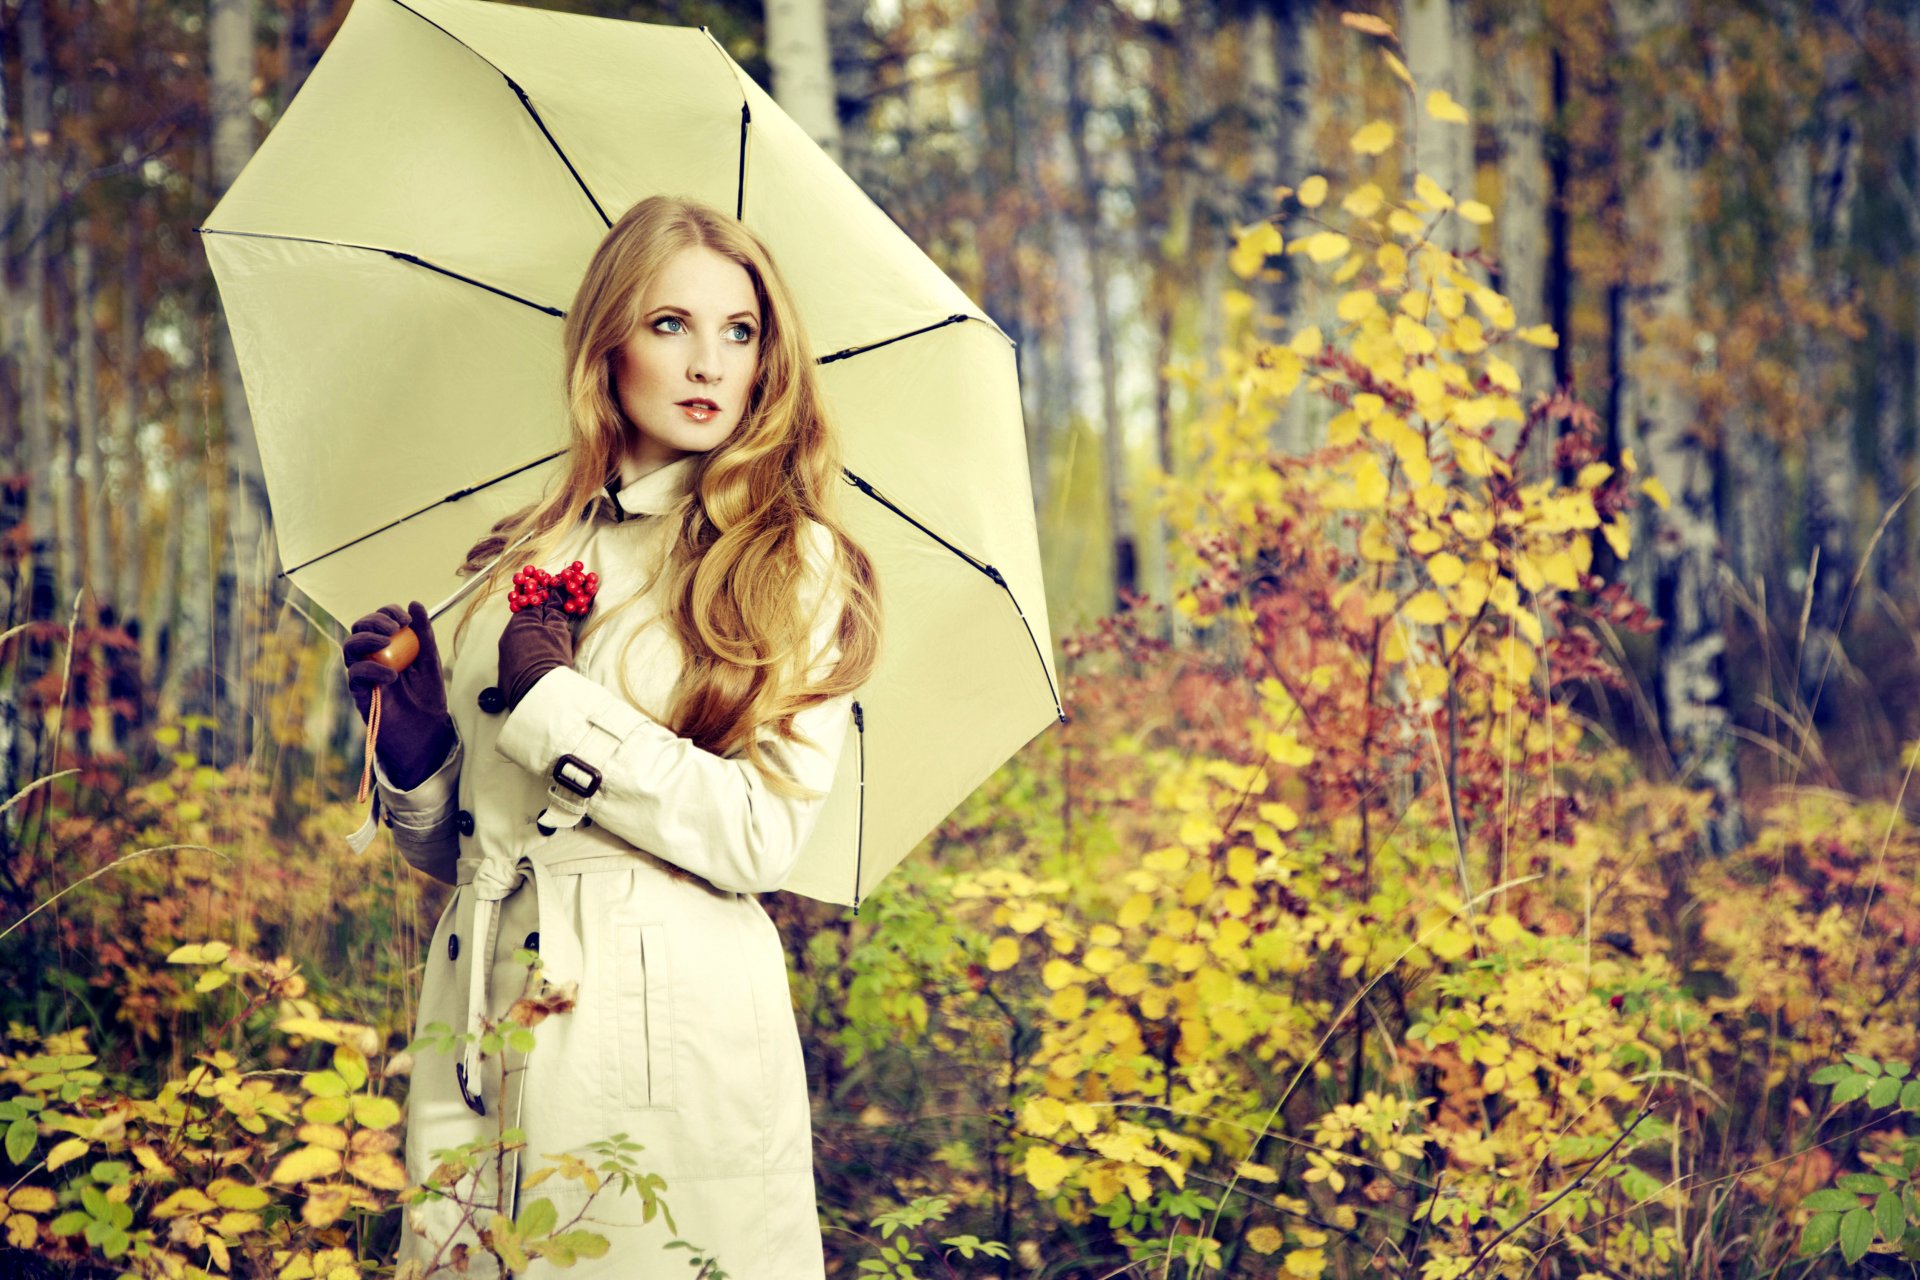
column 643, row 1010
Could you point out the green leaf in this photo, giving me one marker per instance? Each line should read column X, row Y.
column 112, row 1172
column 1850, row 1088
column 1884, row 1091
column 1861, row 1183
column 1910, row 1096
column 21, row 1135
column 68, row 1223
column 1856, row 1233
column 1889, row 1216
column 1828, row 1074
column 1863, row 1062
column 537, row 1218
column 1828, row 1200
column 1899, row 1068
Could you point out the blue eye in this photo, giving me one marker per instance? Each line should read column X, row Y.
column 745, row 337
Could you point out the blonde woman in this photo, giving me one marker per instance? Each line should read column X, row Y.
column 611, row 788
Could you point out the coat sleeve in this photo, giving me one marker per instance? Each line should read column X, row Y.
column 425, row 818
column 710, row 814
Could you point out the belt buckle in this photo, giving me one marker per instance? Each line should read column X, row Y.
column 568, row 771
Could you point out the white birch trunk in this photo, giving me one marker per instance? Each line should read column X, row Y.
column 1681, row 542
column 797, row 52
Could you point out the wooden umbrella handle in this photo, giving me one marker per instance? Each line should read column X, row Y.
column 397, row 656
column 400, row 651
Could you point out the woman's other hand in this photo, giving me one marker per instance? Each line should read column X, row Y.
column 416, row 732
column 535, row 641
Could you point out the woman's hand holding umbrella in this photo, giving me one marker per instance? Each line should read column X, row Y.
column 414, row 730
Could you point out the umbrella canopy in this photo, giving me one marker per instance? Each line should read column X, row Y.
column 395, row 262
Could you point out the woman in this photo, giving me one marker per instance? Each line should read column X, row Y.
column 612, row 789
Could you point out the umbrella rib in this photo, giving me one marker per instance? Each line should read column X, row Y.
column 848, row 352
column 401, row 254
column 866, row 486
column 455, row 496
column 521, row 94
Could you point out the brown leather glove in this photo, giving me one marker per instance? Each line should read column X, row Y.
column 416, row 732
column 534, row 642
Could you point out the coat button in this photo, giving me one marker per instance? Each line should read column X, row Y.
column 492, row 701
column 465, row 823
column 453, row 946
column 533, row 941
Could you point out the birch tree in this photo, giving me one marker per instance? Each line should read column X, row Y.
column 1680, row 534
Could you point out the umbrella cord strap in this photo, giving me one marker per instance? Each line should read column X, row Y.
column 373, row 732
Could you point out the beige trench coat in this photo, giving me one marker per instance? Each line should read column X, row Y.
column 683, row 1036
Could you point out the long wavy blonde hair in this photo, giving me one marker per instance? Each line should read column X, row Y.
column 736, row 570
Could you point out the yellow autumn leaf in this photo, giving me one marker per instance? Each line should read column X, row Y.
column 1375, row 545
column 1364, row 201
column 1441, row 106
column 31, row 1200
column 1067, row 1003
column 1398, row 67
column 1326, row 246
column 71, row 1149
column 1313, row 192
column 326, row 1204
column 375, row 1113
column 1286, row 749
column 1058, row 973
column 1450, row 944
column 1252, row 247
column 1475, row 212
column 307, row 1164
column 1426, row 607
column 1134, row 911
column 1413, row 337
column 185, row 1200
column 1004, row 953
column 1356, row 305
column 1618, row 537
column 1306, row 343
column 1446, row 568
column 1431, row 192
column 1046, row 1169
column 1265, row 1239
column 1373, row 138
column 1043, row 1116
column 1129, row 979
column 1593, row 475
column 1540, row 335
column 378, row 1169
column 1502, row 375
column 1657, row 491
column 1429, row 679
column 1305, row 1264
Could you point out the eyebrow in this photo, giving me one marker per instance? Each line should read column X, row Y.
column 738, row 315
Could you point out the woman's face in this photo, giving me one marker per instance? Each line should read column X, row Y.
column 698, row 339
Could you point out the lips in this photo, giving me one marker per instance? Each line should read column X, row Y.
column 701, row 403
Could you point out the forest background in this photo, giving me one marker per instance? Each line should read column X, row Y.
column 1473, row 447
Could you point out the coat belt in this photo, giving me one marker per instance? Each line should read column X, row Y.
column 485, row 883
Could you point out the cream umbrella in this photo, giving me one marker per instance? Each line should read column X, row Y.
column 394, row 263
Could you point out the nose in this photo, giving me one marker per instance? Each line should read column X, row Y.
column 705, row 363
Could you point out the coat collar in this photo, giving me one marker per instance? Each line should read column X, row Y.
column 651, row 494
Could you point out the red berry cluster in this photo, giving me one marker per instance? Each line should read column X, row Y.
column 535, row 586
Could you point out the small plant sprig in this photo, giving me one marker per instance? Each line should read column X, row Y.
column 898, row 1256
